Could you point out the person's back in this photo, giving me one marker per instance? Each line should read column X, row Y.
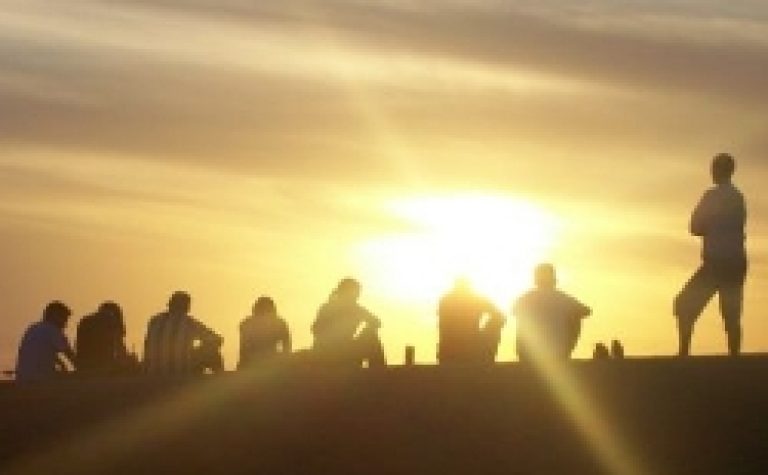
column 176, row 343
column 100, row 346
column 548, row 320
column 720, row 219
column 344, row 331
column 339, row 320
column 41, row 345
column 460, row 313
column 263, row 334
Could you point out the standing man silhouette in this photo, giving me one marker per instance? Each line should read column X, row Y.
column 719, row 219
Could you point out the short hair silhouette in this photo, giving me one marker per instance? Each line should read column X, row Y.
column 57, row 313
column 264, row 306
column 723, row 167
column 110, row 308
column 544, row 275
column 348, row 287
column 180, row 302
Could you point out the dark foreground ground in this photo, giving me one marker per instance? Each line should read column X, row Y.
column 698, row 416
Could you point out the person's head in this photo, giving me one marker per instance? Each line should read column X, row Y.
column 348, row 289
column 56, row 313
column 180, row 303
column 463, row 284
column 723, row 167
column 544, row 276
column 110, row 309
column 264, row 306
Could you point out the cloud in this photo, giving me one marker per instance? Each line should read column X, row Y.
column 354, row 89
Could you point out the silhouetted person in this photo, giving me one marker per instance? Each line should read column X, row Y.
column 43, row 345
column 100, row 345
column 469, row 327
column 719, row 219
column 548, row 320
column 346, row 333
column 263, row 334
column 176, row 343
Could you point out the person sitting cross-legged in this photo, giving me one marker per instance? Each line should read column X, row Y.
column 345, row 332
column 178, row 344
column 548, row 319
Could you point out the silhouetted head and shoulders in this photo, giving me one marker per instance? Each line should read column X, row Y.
column 264, row 318
column 263, row 333
column 341, row 316
column 344, row 303
column 463, row 306
column 545, row 299
column 721, row 214
column 42, row 343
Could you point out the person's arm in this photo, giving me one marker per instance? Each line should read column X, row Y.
column 206, row 335
column 370, row 320
column 580, row 310
column 700, row 216
column 495, row 316
column 67, row 351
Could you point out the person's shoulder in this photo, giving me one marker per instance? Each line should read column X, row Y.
column 528, row 294
column 159, row 318
column 87, row 320
column 36, row 327
column 246, row 323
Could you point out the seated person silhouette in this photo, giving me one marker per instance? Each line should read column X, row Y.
column 100, row 345
column 346, row 333
column 263, row 334
column 548, row 320
column 178, row 344
column 469, row 327
column 43, row 345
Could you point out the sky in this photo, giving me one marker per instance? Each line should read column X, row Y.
column 236, row 149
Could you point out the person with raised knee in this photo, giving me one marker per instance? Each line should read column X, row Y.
column 346, row 333
column 548, row 319
column 43, row 345
column 178, row 344
column 719, row 220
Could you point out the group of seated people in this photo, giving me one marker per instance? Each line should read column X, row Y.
column 345, row 334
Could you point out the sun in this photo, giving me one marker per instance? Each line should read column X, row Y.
column 493, row 240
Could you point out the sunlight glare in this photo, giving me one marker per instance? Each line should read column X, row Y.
column 493, row 240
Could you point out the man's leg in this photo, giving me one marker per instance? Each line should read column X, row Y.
column 689, row 304
column 490, row 337
column 571, row 336
column 370, row 348
column 731, row 293
column 208, row 357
